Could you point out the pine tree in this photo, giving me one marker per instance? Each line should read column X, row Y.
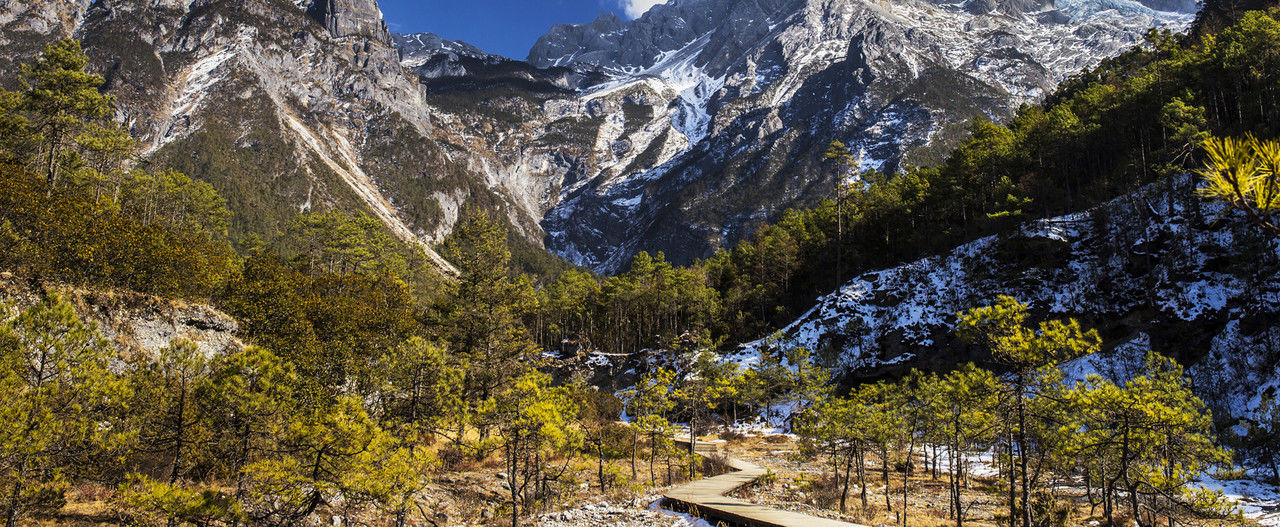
column 1264, row 436
column 1154, row 435
column 649, row 402
column 533, row 421
column 59, row 402
column 964, row 409
column 1028, row 353
column 1245, row 174
column 704, row 381
column 883, row 402
column 257, row 394
column 839, row 428
column 484, row 309
column 169, row 391
column 331, row 449
column 59, row 117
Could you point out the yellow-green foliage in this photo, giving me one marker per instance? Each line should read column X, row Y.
column 1244, row 173
column 62, row 405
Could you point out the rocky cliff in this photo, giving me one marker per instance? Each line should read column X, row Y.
column 678, row 132
column 740, row 97
column 134, row 322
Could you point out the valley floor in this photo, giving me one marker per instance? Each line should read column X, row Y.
column 807, row 486
column 474, row 494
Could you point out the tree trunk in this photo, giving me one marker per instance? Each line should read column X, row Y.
column 906, row 483
column 844, row 491
column 600, row 465
column 1013, row 482
column 1022, row 453
column 884, row 473
column 511, row 481
column 862, row 475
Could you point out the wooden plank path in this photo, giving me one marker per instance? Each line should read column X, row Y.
column 707, row 498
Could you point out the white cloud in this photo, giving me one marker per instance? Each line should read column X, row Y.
column 635, row 8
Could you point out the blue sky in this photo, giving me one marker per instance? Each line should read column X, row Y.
column 505, row 27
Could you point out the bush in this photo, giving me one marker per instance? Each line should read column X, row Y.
column 71, row 237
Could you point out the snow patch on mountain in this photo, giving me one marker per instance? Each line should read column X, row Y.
column 1158, row 269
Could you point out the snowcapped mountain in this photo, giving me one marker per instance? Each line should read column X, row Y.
column 679, row 131
column 1156, row 270
column 744, row 94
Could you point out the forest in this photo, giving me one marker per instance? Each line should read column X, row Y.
column 367, row 372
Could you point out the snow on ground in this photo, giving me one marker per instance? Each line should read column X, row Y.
column 981, row 464
column 1257, row 501
column 641, row 512
column 1150, row 259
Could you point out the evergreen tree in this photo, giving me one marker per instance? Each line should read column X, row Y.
column 1029, row 353
column 256, row 392
column 1154, row 435
column 421, row 389
column 649, row 402
column 59, row 118
column 1245, row 174
column 703, row 383
column 838, row 428
column 60, row 404
column 171, row 393
column 339, row 243
column 533, row 421
column 1263, row 436
column 964, row 410
column 484, row 309
column 328, row 450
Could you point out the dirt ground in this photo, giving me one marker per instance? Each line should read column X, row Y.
column 477, row 493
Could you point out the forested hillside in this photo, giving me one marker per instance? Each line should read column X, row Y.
column 375, row 389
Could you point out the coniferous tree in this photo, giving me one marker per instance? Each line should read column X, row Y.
column 1028, row 353
column 650, row 401
column 61, row 404
column 59, row 120
column 964, row 411
column 1263, row 436
column 1154, row 435
column 170, row 389
column 1245, row 174
column 484, row 309
column 532, row 421
column 421, row 389
column 257, row 394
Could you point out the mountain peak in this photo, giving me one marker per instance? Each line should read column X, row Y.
column 416, row 48
column 351, row 18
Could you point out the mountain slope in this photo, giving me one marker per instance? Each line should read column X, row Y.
column 748, row 93
column 679, row 132
column 282, row 109
column 1159, row 269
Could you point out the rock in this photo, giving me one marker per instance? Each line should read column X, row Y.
column 351, row 18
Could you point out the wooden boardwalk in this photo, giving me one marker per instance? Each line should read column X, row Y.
column 706, row 498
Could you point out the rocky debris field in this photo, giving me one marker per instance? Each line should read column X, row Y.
column 640, row 512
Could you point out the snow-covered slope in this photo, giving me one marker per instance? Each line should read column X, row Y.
column 677, row 132
column 745, row 94
column 1159, row 269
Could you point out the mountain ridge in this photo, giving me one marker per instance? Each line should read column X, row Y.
column 595, row 158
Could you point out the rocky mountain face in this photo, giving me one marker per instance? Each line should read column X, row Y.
column 1156, row 270
column 282, row 107
column 737, row 98
column 678, row 132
